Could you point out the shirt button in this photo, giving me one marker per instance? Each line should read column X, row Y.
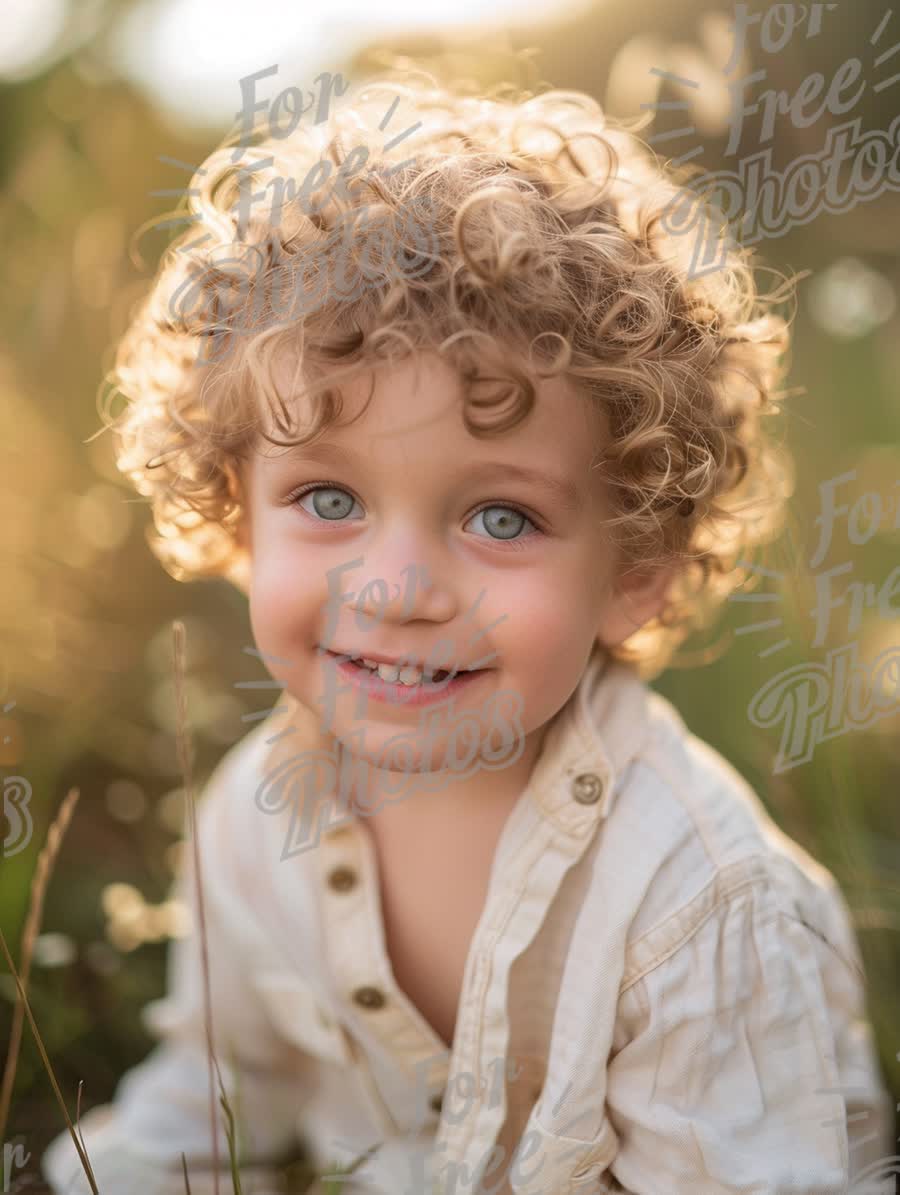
column 342, row 879
column 587, row 788
column 368, row 997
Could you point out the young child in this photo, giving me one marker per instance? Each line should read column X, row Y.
column 451, row 406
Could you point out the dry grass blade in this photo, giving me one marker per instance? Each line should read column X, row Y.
column 332, row 1179
column 184, row 760
column 78, row 1115
column 47, row 1064
column 30, row 931
column 230, row 1134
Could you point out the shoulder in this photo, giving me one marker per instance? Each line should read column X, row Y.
column 225, row 804
column 725, row 948
column 242, row 831
column 699, row 838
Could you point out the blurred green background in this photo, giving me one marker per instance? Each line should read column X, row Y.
column 100, row 101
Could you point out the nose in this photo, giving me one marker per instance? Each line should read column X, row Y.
column 402, row 580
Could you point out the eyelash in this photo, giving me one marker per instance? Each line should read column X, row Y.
column 514, row 544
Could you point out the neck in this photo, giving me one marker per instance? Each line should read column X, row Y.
column 391, row 799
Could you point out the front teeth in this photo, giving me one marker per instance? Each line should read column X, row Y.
column 392, row 673
column 408, row 675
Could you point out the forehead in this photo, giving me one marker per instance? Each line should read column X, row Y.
column 414, row 408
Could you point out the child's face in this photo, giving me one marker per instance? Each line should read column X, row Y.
column 411, row 542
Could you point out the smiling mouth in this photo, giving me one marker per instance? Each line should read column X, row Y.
column 408, row 676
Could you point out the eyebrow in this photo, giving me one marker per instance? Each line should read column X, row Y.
column 564, row 491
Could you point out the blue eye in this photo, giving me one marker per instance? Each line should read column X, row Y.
column 330, row 503
column 503, row 522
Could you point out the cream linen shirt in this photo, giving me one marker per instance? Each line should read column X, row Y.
column 663, row 994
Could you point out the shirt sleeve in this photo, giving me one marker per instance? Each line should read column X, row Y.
column 748, row 1064
column 161, row 1107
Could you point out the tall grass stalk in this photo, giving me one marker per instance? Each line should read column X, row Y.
column 38, row 887
column 30, row 931
column 82, row 1152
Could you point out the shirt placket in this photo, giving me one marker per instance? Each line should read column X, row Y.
column 551, row 831
column 353, row 937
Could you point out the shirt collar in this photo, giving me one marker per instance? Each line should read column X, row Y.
column 589, row 744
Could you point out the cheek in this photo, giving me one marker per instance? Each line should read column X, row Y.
column 549, row 620
column 279, row 603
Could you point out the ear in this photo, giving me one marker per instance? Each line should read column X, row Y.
column 634, row 598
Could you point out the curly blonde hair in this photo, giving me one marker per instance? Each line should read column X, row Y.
column 526, row 238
